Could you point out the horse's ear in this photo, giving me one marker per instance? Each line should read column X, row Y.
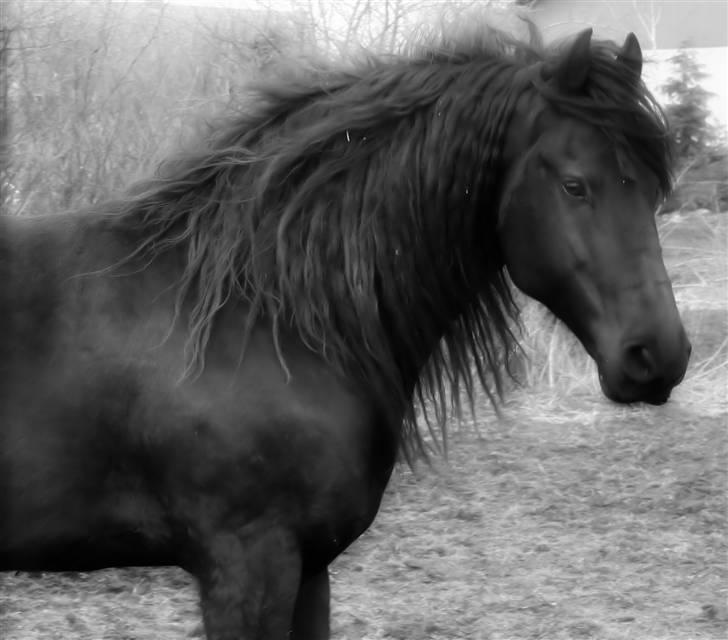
column 571, row 72
column 631, row 55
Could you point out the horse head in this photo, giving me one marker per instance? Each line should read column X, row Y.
column 577, row 217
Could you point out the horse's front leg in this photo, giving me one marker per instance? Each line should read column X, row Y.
column 248, row 585
column 311, row 617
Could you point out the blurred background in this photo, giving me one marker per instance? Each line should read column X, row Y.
column 96, row 93
column 562, row 517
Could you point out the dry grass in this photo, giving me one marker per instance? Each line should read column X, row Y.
column 612, row 528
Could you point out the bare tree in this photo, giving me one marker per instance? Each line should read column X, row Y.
column 373, row 25
column 6, row 33
column 380, row 25
column 87, row 89
column 98, row 92
column 649, row 13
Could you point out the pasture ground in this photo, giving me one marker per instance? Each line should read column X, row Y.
column 567, row 517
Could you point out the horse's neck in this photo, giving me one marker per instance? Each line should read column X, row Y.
column 466, row 268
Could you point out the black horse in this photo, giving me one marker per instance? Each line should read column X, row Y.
column 218, row 370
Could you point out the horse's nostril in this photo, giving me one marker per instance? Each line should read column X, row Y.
column 639, row 363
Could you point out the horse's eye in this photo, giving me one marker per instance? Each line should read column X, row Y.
column 574, row 188
column 626, row 180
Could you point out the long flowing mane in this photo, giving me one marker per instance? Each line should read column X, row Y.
column 357, row 208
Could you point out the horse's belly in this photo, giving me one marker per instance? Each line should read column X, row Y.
column 75, row 523
column 73, row 493
column 69, row 549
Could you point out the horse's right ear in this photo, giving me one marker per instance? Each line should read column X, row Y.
column 571, row 71
column 631, row 55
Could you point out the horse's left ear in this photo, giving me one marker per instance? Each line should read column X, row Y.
column 631, row 54
column 571, row 72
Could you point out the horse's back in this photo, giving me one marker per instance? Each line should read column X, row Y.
column 30, row 262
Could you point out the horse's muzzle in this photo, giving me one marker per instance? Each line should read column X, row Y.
column 646, row 370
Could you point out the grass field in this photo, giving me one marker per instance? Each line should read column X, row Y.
column 565, row 517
